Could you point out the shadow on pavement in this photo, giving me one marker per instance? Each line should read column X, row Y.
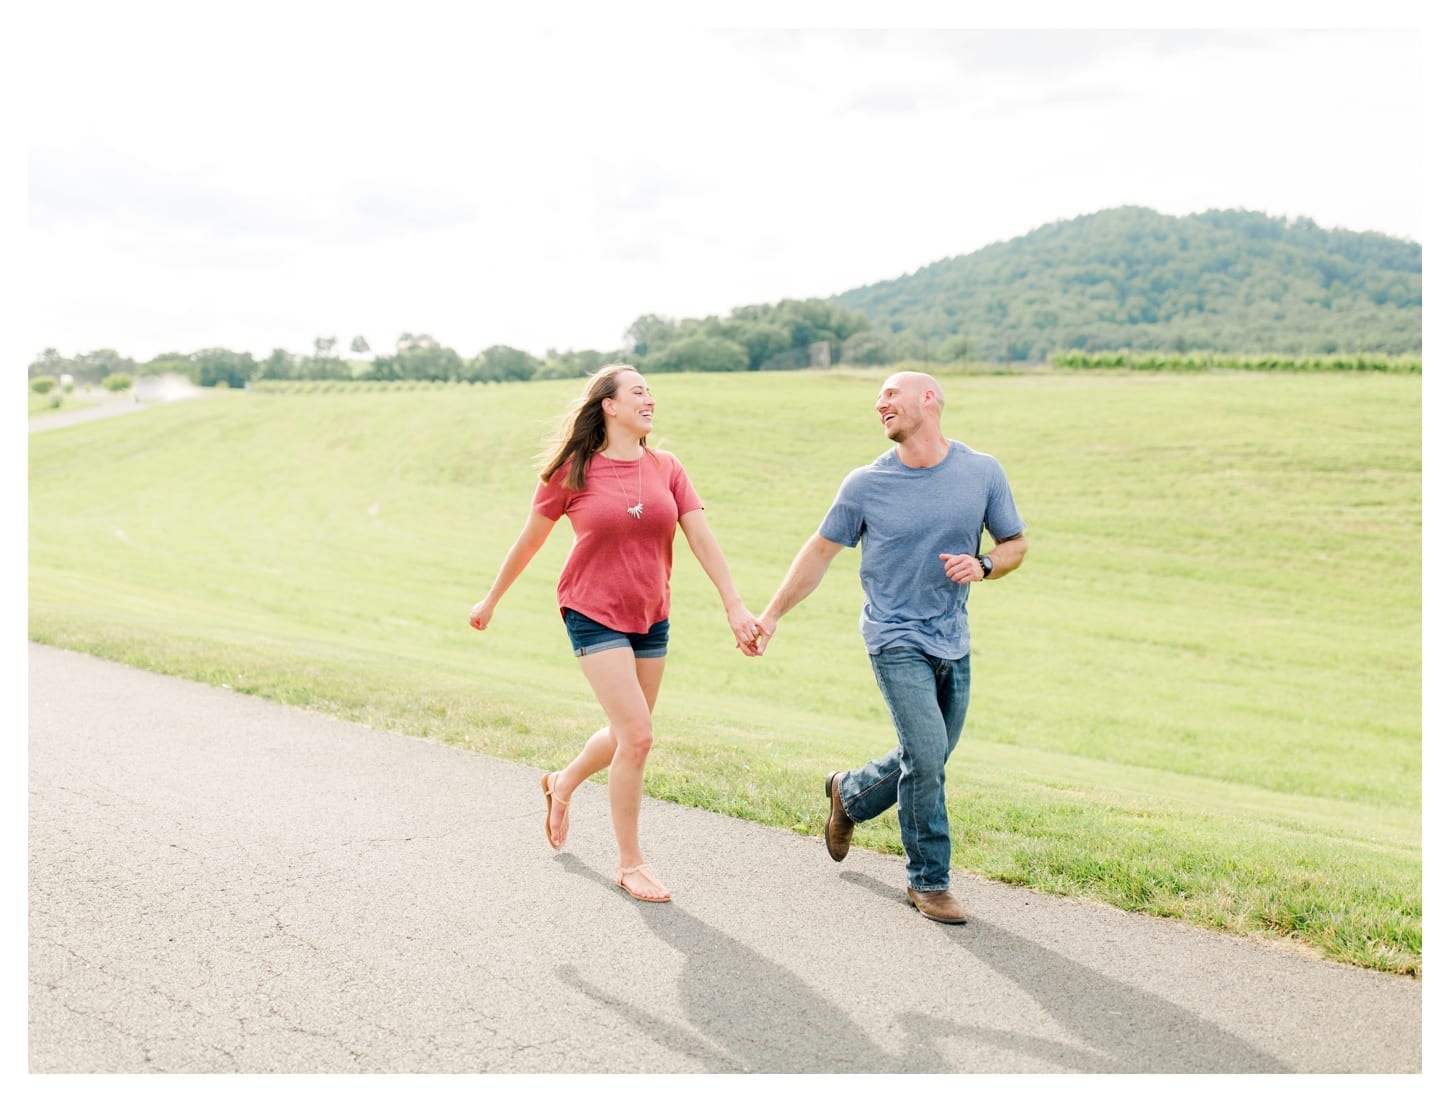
column 1122, row 1029
column 744, row 1012
column 747, row 1013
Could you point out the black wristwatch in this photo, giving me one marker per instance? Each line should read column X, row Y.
column 986, row 561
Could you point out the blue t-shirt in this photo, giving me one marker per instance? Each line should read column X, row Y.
column 904, row 518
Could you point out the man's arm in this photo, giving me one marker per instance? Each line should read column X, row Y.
column 800, row 582
column 1006, row 554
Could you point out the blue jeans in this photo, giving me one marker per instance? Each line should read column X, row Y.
column 927, row 698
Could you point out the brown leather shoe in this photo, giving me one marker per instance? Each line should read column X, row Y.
column 937, row 906
column 838, row 824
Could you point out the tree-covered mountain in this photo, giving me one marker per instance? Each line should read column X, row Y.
column 1235, row 282
column 1131, row 278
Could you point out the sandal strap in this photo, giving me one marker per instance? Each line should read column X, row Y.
column 643, row 870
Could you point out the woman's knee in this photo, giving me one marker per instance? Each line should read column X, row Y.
column 634, row 740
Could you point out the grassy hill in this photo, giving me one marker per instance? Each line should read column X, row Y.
column 1131, row 278
column 1194, row 700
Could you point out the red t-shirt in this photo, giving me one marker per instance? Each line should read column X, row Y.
column 618, row 571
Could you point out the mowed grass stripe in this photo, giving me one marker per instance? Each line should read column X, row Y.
column 1199, row 698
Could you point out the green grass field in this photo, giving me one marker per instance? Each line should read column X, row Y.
column 1200, row 697
column 54, row 402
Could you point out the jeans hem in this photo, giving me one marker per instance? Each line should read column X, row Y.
column 870, row 788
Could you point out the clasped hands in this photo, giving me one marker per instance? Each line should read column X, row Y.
column 753, row 644
column 750, row 633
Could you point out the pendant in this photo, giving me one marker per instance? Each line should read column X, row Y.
column 636, row 511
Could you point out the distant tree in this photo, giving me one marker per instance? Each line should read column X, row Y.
column 324, row 363
column 570, row 365
column 222, row 367
column 649, row 333
column 92, row 367
column 168, row 363
column 50, row 362
column 791, row 334
column 700, row 354
column 281, row 364
column 812, row 320
column 385, row 368
column 759, row 311
column 117, row 383
column 954, row 348
column 865, row 348
column 906, row 346
column 435, row 362
column 500, row 362
column 43, row 384
column 429, row 362
column 360, row 346
column 761, row 340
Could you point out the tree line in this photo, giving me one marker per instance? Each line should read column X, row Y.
column 415, row 356
column 789, row 335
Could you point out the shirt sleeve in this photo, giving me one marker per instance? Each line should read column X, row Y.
column 1002, row 520
column 686, row 499
column 846, row 518
column 552, row 498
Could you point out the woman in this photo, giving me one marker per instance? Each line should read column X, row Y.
column 623, row 500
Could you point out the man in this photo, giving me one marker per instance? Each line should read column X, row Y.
column 918, row 513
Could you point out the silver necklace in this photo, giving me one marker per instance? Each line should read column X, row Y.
column 636, row 510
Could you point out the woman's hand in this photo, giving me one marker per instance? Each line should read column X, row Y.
column 480, row 616
column 744, row 626
column 763, row 632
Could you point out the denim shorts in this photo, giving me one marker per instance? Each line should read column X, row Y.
column 590, row 637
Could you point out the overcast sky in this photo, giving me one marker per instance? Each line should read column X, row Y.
column 281, row 173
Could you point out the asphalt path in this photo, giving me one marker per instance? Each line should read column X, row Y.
column 110, row 405
column 218, row 883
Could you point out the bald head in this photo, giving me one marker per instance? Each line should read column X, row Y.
column 916, row 385
column 909, row 402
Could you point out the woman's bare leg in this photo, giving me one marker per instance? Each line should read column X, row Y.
column 626, row 688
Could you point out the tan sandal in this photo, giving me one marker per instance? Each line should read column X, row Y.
column 643, row 870
column 549, row 799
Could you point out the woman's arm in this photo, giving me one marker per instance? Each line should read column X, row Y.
column 536, row 531
column 707, row 550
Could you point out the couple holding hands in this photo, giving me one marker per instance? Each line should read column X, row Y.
column 917, row 512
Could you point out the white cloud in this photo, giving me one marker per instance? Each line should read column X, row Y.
column 259, row 182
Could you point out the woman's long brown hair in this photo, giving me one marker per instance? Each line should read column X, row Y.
column 581, row 431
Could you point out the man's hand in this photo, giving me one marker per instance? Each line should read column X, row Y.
column 962, row 568
column 763, row 631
